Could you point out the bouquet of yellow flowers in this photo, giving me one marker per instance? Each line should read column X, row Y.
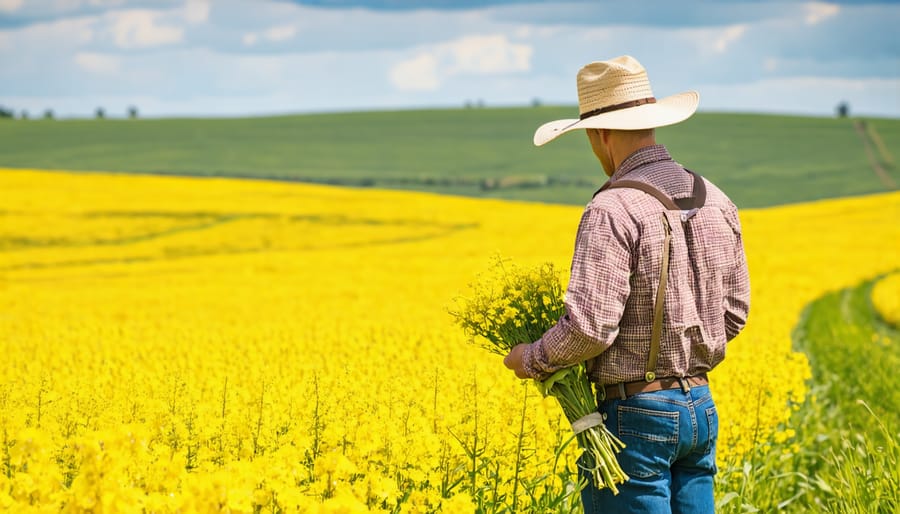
column 513, row 306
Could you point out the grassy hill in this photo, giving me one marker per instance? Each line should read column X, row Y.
column 759, row 160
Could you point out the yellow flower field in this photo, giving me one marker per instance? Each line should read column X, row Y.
column 886, row 298
column 201, row 345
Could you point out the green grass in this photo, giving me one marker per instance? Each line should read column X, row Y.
column 845, row 457
column 759, row 160
column 848, row 344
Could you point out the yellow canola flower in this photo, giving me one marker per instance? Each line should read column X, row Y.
column 461, row 503
column 197, row 345
column 886, row 298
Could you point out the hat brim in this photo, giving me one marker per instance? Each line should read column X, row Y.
column 667, row 111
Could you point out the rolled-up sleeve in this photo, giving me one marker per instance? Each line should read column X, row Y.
column 736, row 285
column 595, row 298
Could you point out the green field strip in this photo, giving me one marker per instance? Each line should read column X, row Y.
column 850, row 347
column 844, row 452
column 760, row 160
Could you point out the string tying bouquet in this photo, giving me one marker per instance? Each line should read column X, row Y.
column 511, row 305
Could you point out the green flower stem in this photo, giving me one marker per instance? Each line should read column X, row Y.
column 572, row 390
column 517, row 306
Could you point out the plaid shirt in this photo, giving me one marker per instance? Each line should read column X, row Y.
column 615, row 275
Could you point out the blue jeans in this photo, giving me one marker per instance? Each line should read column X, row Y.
column 670, row 453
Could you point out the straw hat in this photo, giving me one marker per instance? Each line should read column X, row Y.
column 616, row 94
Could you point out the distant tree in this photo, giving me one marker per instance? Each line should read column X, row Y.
column 24, row 114
column 468, row 104
column 843, row 110
column 133, row 112
column 480, row 103
column 48, row 114
column 6, row 113
column 100, row 113
column 535, row 102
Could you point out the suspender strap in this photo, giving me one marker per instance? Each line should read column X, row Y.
column 659, row 304
column 693, row 202
column 647, row 188
column 698, row 195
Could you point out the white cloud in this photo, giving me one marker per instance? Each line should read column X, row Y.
column 430, row 57
column 196, row 11
column 817, row 12
column 487, row 55
column 727, row 37
column 97, row 63
column 806, row 95
column 540, row 31
column 10, row 5
column 710, row 41
column 249, row 70
column 473, row 55
column 275, row 34
column 416, row 74
column 280, row 33
column 150, row 106
column 96, row 3
column 39, row 47
column 138, row 29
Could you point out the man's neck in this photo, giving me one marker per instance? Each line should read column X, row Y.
column 623, row 151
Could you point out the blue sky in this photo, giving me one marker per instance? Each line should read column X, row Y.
column 231, row 57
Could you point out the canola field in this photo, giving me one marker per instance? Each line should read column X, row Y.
column 886, row 298
column 214, row 345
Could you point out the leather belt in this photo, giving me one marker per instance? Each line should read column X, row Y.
column 623, row 390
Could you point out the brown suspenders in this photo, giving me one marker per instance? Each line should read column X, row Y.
column 689, row 207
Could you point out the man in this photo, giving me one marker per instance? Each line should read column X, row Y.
column 659, row 285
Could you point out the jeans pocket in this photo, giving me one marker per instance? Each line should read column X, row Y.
column 651, row 440
column 712, row 423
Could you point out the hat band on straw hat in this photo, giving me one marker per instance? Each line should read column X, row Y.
column 616, row 95
column 616, row 107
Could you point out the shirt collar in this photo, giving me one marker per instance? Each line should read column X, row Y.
column 641, row 157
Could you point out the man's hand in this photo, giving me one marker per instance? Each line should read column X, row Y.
column 514, row 362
